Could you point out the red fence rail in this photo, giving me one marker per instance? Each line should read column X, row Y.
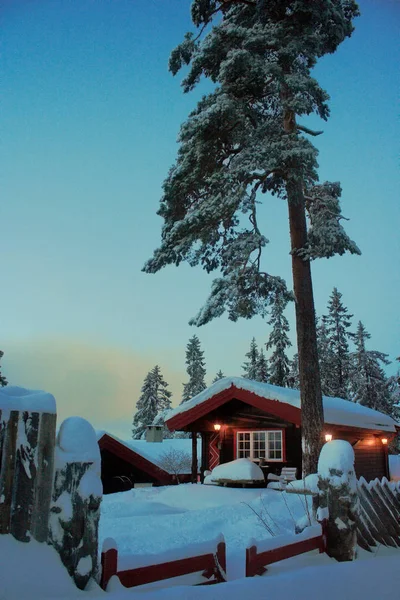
column 212, row 566
column 313, row 538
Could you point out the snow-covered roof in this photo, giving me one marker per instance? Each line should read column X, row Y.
column 153, row 451
column 337, row 411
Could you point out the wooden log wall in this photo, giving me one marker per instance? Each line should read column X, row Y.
column 27, row 441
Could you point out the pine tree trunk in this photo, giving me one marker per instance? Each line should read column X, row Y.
column 312, row 419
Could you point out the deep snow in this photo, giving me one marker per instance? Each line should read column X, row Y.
column 160, row 521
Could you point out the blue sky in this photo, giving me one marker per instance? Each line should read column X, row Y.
column 89, row 125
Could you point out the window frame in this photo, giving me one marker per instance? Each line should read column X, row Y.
column 266, row 431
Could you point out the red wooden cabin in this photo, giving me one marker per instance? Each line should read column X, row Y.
column 240, row 418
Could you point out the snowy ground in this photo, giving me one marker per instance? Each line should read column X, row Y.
column 157, row 520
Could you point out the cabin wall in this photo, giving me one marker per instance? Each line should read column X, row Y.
column 114, row 470
column 370, row 454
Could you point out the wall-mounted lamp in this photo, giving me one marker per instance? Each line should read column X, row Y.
column 384, row 441
column 217, row 426
column 328, row 437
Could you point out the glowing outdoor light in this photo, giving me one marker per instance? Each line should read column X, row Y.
column 217, row 426
column 384, row 441
column 328, row 437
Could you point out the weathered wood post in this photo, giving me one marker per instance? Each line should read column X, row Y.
column 338, row 499
column 77, row 494
column 27, row 439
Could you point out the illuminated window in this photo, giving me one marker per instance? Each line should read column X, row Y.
column 260, row 444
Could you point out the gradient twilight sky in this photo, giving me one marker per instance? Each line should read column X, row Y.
column 89, row 125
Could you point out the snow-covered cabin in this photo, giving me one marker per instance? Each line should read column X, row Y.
column 240, row 418
column 129, row 463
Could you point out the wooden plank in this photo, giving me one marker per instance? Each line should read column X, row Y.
column 388, row 515
column 24, row 476
column 44, row 477
column 152, row 573
column 375, row 525
column 378, row 515
column 256, row 563
column 7, row 470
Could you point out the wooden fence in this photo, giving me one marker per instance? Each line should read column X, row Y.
column 283, row 547
column 212, row 566
column 378, row 521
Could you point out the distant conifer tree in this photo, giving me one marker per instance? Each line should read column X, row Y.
column 250, row 367
column 369, row 384
column 3, row 380
column 293, row 375
column 155, row 397
column 325, row 357
column 278, row 341
column 262, row 367
column 195, row 369
column 219, row 375
column 337, row 323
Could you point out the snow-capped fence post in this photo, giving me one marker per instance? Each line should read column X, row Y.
column 77, row 494
column 338, row 499
column 27, row 438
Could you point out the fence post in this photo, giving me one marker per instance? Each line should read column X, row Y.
column 27, row 437
column 109, row 562
column 220, row 574
column 338, row 499
column 77, row 493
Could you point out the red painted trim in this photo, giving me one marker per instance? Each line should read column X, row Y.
column 281, row 410
column 256, row 563
column 208, row 564
column 109, row 562
column 236, row 430
column 109, row 443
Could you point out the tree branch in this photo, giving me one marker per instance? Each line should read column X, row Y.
column 309, row 131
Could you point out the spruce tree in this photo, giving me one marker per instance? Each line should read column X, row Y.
column 278, row 341
column 369, row 385
column 262, row 367
column 293, row 375
column 3, row 380
column 195, row 369
column 250, row 367
column 155, row 397
column 337, row 323
column 219, row 375
column 244, row 139
column 325, row 357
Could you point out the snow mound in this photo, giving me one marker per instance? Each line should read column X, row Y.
column 237, row 470
column 13, row 397
column 77, row 442
column 338, row 455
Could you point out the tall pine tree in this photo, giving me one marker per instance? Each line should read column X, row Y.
column 3, row 380
column 337, row 324
column 250, row 367
column 369, row 385
column 154, row 398
column 244, row 139
column 195, row 369
column 278, row 341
